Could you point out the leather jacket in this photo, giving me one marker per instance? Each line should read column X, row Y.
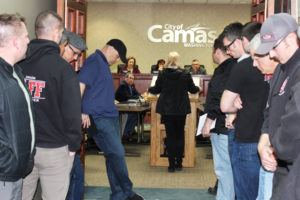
column 16, row 153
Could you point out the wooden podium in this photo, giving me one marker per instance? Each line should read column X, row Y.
column 158, row 133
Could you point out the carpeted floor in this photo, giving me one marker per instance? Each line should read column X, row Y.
column 154, row 183
column 102, row 193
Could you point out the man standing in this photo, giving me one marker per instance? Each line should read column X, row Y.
column 126, row 91
column 97, row 91
column 17, row 126
column 73, row 45
column 55, row 92
column 246, row 84
column 219, row 135
column 279, row 39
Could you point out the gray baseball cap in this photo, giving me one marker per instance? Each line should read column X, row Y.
column 74, row 40
column 275, row 28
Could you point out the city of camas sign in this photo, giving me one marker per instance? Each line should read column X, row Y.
column 192, row 36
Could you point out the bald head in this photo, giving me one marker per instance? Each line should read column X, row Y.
column 49, row 26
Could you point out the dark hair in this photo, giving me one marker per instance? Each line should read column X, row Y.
column 250, row 29
column 160, row 61
column 233, row 31
column 218, row 44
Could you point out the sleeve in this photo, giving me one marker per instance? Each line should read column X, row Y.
column 192, row 88
column 71, row 108
column 156, row 89
column 88, row 72
column 122, row 94
column 212, row 104
column 286, row 139
column 135, row 93
column 236, row 79
column 265, row 125
column 136, row 70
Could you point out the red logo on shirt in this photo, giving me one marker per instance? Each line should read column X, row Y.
column 35, row 87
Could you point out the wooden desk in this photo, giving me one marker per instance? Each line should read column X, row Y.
column 158, row 133
column 142, row 81
column 140, row 110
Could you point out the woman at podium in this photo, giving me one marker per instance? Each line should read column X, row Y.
column 173, row 85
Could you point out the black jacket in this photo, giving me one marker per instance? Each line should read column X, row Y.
column 16, row 157
column 55, row 92
column 216, row 87
column 173, row 86
column 123, row 92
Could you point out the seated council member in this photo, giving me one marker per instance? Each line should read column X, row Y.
column 127, row 91
column 130, row 66
column 158, row 67
column 196, row 68
column 173, row 85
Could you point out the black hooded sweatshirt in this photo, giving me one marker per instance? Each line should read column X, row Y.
column 173, row 86
column 54, row 87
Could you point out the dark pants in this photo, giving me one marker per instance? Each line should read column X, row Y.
column 175, row 138
column 76, row 181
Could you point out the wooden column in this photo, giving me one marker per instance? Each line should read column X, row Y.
column 158, row 133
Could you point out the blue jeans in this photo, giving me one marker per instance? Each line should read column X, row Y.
column 108, row 140
column 222, row 166
column 130, row 123
column 246, row 165
column 76, row 181
column 265, row 184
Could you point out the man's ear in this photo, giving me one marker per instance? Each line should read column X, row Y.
column 15, row 42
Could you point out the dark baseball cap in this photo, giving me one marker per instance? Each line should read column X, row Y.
column 120, row 47
column 74, row 40
column 275, row 28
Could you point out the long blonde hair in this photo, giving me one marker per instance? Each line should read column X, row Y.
column 173, row 60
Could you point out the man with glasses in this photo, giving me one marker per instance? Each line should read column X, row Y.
column 279, row 40
column 127, row 91
column 73, row 45
column 247, row 86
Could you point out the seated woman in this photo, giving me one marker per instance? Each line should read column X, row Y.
column 158, row 67
column 130, row 66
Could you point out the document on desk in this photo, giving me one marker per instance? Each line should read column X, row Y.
column 201, row 122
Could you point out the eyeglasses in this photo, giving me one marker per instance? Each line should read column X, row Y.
column 278, row 43
column 74, row 52
column 227, row 46
column 131, row 78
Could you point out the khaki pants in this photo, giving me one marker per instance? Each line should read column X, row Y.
column 52, row 167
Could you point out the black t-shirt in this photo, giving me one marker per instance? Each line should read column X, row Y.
column 249, row 83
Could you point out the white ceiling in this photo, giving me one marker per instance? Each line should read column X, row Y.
column 178, row 1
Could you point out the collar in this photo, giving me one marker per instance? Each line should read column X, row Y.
column 244, row 56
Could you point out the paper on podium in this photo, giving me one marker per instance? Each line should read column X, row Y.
column 201, row 122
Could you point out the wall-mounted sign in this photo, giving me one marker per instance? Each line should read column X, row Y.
column 192, row 36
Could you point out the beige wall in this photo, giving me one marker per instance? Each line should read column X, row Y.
column 130, row 23
column 28, row 9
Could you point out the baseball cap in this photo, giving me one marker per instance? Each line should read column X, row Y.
column 120, row 47
column 275, row 28
column 74, row 40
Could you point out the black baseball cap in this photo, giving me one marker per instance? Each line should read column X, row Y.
column 120, row 47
